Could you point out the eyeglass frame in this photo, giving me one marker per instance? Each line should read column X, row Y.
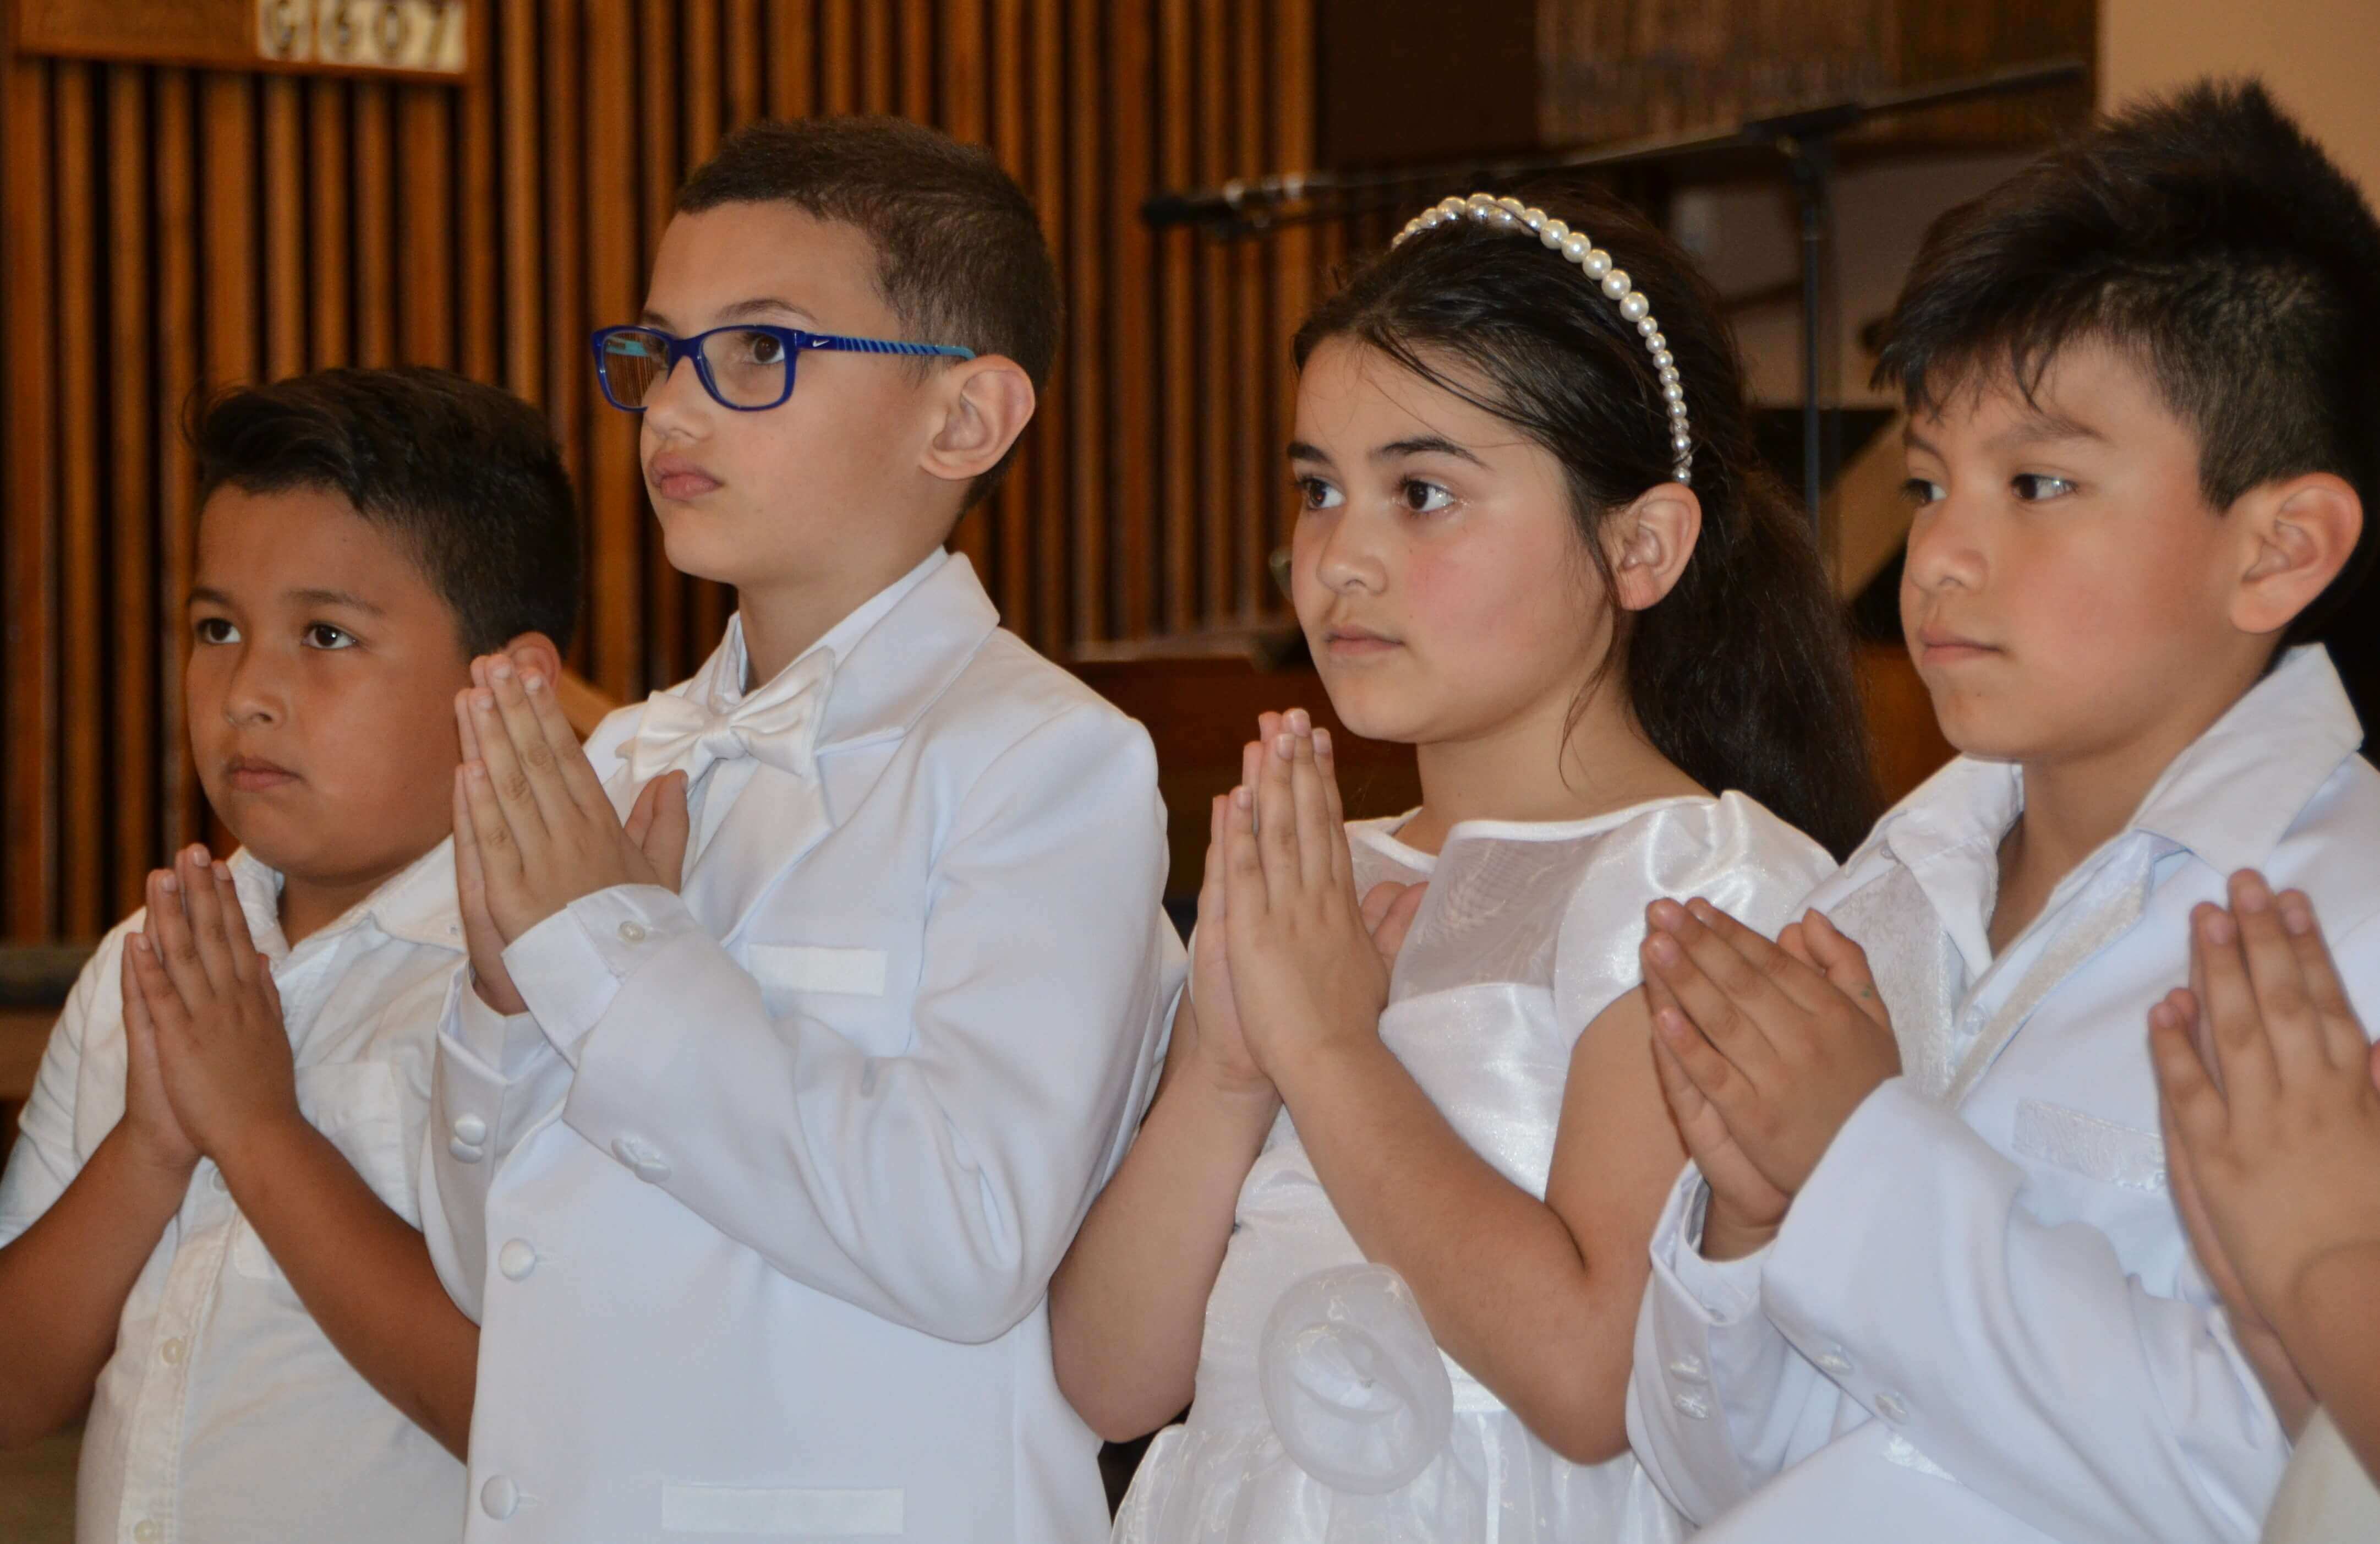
column 798, row 341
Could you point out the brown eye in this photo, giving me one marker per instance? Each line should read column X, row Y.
column 214, row 629
column 322, row 634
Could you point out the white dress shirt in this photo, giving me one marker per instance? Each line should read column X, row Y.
column 1982, row 1319
column 760, row 1201
column 224, row 1413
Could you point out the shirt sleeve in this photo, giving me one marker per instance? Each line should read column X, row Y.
column 940, row 1187
column 1718, row 1401
column 45, row 1160
column 2017, row 1356
column 492, row 1081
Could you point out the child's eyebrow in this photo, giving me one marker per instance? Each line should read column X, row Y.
column 1426, row 444
column 336, row 598
column 2044, row 425
column 1300, row 451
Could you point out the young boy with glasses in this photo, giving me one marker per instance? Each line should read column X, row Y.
column 213, row 1200
column 774, row 1107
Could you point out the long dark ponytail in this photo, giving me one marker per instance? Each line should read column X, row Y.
column 1741, row 676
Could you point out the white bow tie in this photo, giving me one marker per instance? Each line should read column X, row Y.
column 778, row 725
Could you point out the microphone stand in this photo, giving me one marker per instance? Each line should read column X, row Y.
column 1804, row 137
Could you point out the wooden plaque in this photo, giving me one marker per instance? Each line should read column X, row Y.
column 417, row 40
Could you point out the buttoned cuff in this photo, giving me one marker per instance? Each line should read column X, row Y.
column 1725, row 1291
column 570, row 966
column 505, row 1042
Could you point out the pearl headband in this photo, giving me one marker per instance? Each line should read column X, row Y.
column 1512, row 214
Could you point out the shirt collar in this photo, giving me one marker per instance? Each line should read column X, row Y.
column 2227, row 799
column 416, row 904
column 722, row 684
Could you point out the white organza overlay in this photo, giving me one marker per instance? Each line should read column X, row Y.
column 1324, row 1413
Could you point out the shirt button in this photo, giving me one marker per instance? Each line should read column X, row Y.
column 464, row 1152
column 1689, row 1369
column 171, row 1351
column 470, row 1128
column 632, row 932
column 147, row 1531
column 1892, row 1407
column 499, row 1497
column 1692, row 1404
column 516, row 1259
column 1834, row 1363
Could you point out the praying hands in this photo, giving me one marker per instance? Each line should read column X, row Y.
column 534, row 830
column 1764, row 1050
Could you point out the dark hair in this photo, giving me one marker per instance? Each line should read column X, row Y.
column 466, row 474
column 960, row 255
column 1741, row 674
column 2204, row 235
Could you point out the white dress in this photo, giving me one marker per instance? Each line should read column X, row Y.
column 1323, row 1413
column 2325, row 1496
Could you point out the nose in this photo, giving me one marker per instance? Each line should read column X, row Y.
column 1946, row 547
column 1347, row 555
column 255, row 695
column 679, row 407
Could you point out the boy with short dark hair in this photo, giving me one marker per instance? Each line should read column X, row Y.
column 775, row 1108
column 1926, row 1280
column 214, row 1198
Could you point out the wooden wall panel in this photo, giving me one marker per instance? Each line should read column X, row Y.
column 164, row 232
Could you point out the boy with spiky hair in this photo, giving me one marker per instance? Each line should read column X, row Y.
column 1926, row 1278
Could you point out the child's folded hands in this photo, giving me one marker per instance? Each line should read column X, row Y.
column 1309, row 960
column 1764, row 1050
column 534, row 828
column 2270, row 1103
column 203, row 999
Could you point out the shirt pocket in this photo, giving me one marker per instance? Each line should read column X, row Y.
column 359, row 1106
column 2091, row 1146
column 849, row 989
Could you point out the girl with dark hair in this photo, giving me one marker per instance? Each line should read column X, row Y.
column 1388, row 1216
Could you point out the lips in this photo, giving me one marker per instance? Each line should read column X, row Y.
column 1938, row 645
column 254, row 775
column 1356, row 642
column 674, row 477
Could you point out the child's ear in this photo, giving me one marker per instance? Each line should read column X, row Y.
column 1649, row 542
column 986, row 404
column 534, row 651
column 2299, row 533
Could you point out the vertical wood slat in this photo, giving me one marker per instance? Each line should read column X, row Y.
column 614, row 497
column 375, row 249
column 426, row 295
column 26, row 222
column 129, row 458
column 178, row 371
column 333, row 333
column 1178, row 501
column 82, row 609
column 1013, row 142
column 234, row 227
column 285, row 227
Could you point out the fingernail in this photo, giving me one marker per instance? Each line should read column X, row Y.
column 1299, row 723
column 141, row 942
column 2220, row 929
column 1663, row 948
column 476, row 769
column 1281, row 744
column 1241, row 797
column 501, row 670
column 171, row 885
column 2297, row 915
column 1322, row 742
column 1667, row 913
column 2252, row 894
column 485, row 702
column 532, row 681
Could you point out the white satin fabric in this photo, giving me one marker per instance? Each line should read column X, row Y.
column 1315, row 1379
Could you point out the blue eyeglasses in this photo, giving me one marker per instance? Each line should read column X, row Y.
column 749, row 367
